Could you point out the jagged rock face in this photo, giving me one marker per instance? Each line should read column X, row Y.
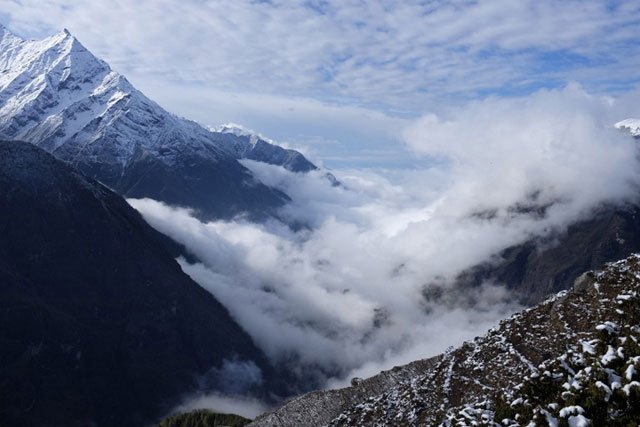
column 499, row 366
column 98, row 323
column 56, row 94
column 540, row 267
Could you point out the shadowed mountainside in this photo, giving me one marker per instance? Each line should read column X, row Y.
column 540, row 267
column 98, row 323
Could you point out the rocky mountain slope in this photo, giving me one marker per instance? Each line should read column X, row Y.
column 98, row 323
column 57, row 95
column 542, row 266
column 571, row 360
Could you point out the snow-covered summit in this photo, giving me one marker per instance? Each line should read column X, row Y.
column 630, row 125
column 235, row 129
column 56, row 94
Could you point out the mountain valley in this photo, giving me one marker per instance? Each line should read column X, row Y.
column 158, row 271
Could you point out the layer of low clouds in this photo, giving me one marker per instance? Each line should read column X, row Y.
column 272, row 65
column 347, row 295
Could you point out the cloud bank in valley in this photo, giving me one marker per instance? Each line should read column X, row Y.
column 345, row 296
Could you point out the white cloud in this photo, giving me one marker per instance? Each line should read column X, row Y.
column 347, row 73
column 561, row 143
column 391, row 53
column 246, row 407
column 346, row 294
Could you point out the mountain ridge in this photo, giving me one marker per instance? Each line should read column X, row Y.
column 56, row 94
column 545, row 265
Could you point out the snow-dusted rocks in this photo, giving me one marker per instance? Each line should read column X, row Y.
column 56, row 94
column 571, row 360
column 630, row 125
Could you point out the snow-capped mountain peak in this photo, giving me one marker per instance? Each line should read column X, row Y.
column 234, row 129
column 56, row 94
column 630, row 125
column 60, row 52
column 241, row 131
column 52, row 89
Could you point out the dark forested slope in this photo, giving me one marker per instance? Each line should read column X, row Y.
column 98, row 323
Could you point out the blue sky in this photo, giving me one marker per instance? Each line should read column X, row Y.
column 342, row 78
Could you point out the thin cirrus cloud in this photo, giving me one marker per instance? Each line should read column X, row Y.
column 389, row 55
